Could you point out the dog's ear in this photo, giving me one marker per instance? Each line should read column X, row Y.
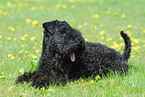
column 50, row 27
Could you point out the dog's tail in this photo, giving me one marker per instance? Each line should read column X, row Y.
column 127, row 49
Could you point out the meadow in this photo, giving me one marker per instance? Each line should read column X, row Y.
column 21, row 35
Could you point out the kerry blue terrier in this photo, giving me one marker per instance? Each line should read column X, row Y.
column 66, row 57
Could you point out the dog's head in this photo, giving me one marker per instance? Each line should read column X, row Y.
column 65, row 43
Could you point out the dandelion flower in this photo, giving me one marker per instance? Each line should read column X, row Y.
column 85, row 24
column 37, row 51
column 72, row 1
column 35, row 22
column 22, row 45
column 34, row 57
column 26, row 35
column 102, row 38
column 9, row 38
column 14, row 38
column 11, row 87
column 92, row 81
column 86, row 39
column 32, row 38
column 129, row 26
column 12, row 57
column 33, row 8
column 2, row 76
column 95, row 27
column 102, row 32
column 73, row 6
column 30, row 55
column 9, row 4
column 108, row 12
column 82, row 80
column 21, row 51
column 96, row 16
column 101, row 25
column 1, row 36
column 97, row 77
column 22, row 38
column 136, row 40
column 26, row 51
column 123, row 16
column 79, row 26
column 64, row 6
column 28, row 21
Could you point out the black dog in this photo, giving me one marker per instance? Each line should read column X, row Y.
column 66, row 56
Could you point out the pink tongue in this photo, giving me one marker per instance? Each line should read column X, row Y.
column 72, row 57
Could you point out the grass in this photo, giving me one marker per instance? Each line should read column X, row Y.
column 98, row 20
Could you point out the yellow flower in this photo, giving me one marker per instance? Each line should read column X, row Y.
column 33, row 8
column 9, row 38
column 98, row 76
column 129, row 26
column 37, row 51
column 5, row 13
column 96, row 16
column 26, row 35
column 102, row 32
column 26, row 51
column 95, row 27
column 79, row 26
column 0, row 45
column 22, row 45
column 92, row 81
column 108, row 12
column 136, row 40
column 101, row 25
column 108, row 39
column 32, row 38
column 22, row 38
column 34, row 57
column 85, row 24
column 73, row 6
column 123, row 16
column 11, row 56
column 64, row 6
column 1, row 36
column 9, row 4
column 14, row 38
column 21, row 51
column 136, row 48
column 35, row 22
column 11, row 87
column 48, row 95
column 102, row 38
column 28, row 21
column 72, row 1
column 30, row 55
column 132, row 55
column 2, row 76
column 121, row 44
column 82, row 80
column 86, row 39
column 115, row 44
column 114, row 13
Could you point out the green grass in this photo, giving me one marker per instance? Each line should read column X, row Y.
column 19, row 52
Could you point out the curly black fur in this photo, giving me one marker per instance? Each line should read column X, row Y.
column 66, row 56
